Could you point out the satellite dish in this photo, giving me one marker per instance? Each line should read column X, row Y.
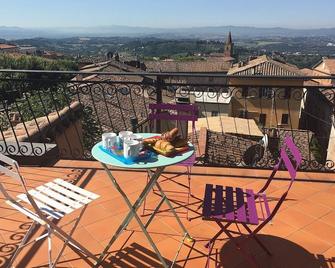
column 265, row 141
column 253, row 154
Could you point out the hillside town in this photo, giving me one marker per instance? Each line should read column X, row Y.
column 294, row 109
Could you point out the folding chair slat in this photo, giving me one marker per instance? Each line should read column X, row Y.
column 252, row 212
column 179, row 117
column 207, row 208
column 241, row 208
column 56, row 187
column 59, row 197
column 230, row 215
column 50, row 202
column 175, row 107
column 218, row 205
column 266, row 204
column 43, row 207
column 76, row 189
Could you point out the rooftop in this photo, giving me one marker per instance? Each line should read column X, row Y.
column 199, row 66
column 265, row 65
column 230, row 125
column 6, row 46
column 328, row 66
column 301, row 235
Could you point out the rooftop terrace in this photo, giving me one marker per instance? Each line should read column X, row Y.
column 301, row 235
column 48, row 116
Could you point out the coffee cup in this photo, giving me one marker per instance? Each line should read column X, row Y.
column 109, row 140
column 131, row 148
column 136, row 137
column 124, row 134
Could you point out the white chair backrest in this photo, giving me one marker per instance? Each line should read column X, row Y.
column 12, row 171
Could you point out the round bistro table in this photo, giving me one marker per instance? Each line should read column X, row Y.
column 158, row 162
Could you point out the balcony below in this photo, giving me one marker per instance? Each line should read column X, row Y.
column 302, row 234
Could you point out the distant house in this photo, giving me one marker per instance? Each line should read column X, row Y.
column 318, row 110
column 325, row 67
column 268, row 100
column 6, row 48
column 28, row 50
column 213, row 103
column 194, row 67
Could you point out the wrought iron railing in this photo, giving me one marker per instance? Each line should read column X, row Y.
column 47, row 115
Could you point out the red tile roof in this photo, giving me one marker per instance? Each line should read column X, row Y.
column 265, row 65
column 6, row 46
column 188, row 66
column 330, row 64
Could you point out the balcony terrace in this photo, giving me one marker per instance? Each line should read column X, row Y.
column 50, row 121
column 301, row 235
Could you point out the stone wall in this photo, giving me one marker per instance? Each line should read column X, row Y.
column 63, row 128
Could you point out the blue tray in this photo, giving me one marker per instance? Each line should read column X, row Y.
column 144, row 155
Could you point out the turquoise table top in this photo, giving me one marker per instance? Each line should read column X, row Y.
column 159, row 161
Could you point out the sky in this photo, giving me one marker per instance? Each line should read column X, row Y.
column 168, row 13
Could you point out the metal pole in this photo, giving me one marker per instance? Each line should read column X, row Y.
column 159, row 99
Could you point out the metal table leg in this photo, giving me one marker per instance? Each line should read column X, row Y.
column 133, row 214
column 167, row 201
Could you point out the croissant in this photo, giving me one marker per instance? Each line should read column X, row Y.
column 150, row 141
column 170, row 135
column 164, row 146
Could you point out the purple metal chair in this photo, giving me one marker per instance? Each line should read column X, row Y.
column 180, row 113
column 239, row 206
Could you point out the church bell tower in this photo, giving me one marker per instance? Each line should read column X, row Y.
column 229, row 47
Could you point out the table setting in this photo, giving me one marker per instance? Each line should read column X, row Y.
column 147, row 151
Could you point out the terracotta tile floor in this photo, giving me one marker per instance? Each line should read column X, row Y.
column 301, row 235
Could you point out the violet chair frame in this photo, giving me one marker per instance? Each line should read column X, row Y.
column 240, row 215
column 191, row 115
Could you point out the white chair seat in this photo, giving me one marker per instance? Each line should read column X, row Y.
column 52, row 200
column 58, row 198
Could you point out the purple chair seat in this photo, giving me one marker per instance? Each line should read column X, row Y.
column 243, row 207
column 234, row 205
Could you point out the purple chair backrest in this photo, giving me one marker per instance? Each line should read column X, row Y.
column 189, row 114
column 291, row 167
column 190, row 108
column 284, row 159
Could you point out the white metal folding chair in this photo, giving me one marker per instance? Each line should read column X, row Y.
column 44, row 204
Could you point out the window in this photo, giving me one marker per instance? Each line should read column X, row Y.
column 284, row 119
column 287, row 93
column 262, row 119
column 183, row 100
column 266, row 92
column 243, row 114
column 215, row 113
column 244, row 92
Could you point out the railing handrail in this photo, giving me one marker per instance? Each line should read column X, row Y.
column 178, row 74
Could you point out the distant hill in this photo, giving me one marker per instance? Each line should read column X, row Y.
column 212, row 32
